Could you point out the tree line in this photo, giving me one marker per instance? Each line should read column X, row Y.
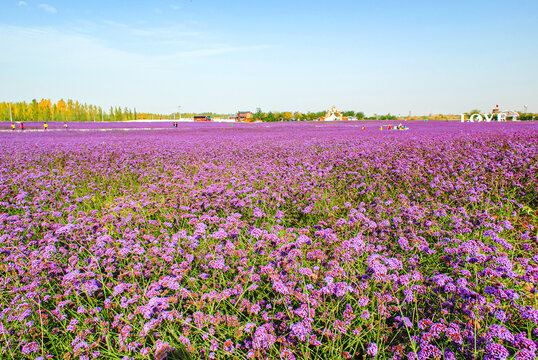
column 67, row 111
column 70, row 110
column 298, row 116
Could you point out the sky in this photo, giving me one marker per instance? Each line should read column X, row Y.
column 278, row 55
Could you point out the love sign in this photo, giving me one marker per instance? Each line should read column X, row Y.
column 487, row 117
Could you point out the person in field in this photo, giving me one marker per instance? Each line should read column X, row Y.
column 45, row 126
column 22, row 126
column 65, row 126
column 12, row 126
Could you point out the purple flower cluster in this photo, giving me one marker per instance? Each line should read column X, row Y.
column 267, row 241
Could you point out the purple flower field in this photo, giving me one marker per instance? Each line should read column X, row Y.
column 269, row 241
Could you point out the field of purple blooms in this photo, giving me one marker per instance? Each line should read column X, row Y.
column 270, row 241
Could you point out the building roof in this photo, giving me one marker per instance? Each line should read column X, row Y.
column 510, row 113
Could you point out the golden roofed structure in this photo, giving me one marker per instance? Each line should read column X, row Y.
column 332, row 115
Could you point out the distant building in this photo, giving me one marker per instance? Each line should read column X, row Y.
column 332, row 115
column 202, row 118
column 504, row 115
column 244, row 116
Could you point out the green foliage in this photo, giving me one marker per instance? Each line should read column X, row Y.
column 258, row 115
column 387, row 117
column 65, row 111
column 528, row 116
column 298, row 116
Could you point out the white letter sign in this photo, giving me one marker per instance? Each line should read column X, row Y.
column 478, row 117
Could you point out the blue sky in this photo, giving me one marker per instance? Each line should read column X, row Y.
column 223, row 56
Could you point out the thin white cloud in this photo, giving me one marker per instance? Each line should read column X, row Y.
column 175, row 7
column 146, row 39
column 219, row 50
column 23, row 3
column 48, row 8
column 51, row 35
column 115, row 24
column 112, row 74
column 208, row 52
column 169, row 33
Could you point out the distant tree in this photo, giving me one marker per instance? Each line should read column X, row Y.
column 258, row 115
column 70, row 112
column 387, row 117
column 299, row 116
column 311, row 116
column 349, row 113
column 320, row 114
column 287, row 115
column 20, row 111
column 78, row 114
column 4, row 111
column 359, row 115
column 61, row 108
column 32, row 110
column 270, row 117
column 118, row 114
column 527, row 116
